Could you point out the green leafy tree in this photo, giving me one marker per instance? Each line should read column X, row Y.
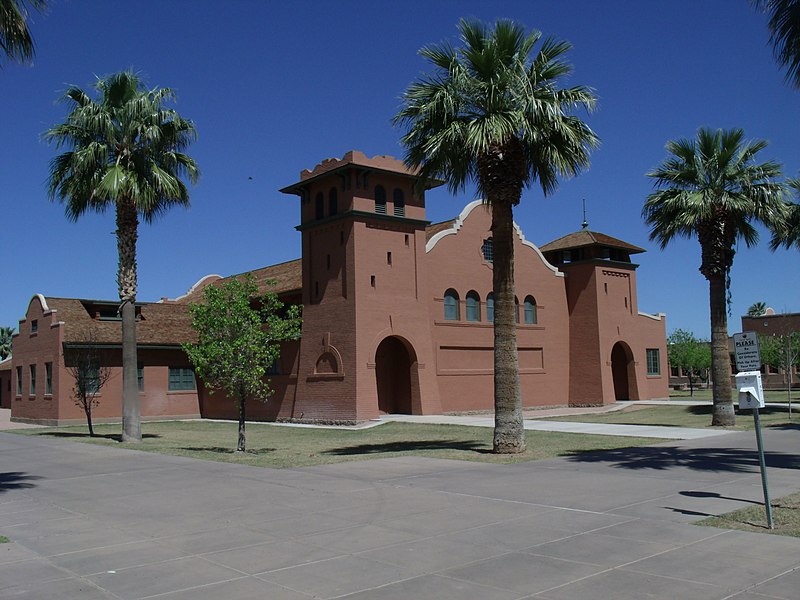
column 6, row 335
column 16, row 41
column 711, row 188
column 493, row 112
column 782, row 350
column 757, row 309
column 125, row 151
column 239, row 335
column 693, row 356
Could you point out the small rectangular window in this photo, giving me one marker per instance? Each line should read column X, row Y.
column 34, row 326
column 372, row 280
column 140, row 377
column 653, row 361
column 389, row 258
column 19, row 381
column 48, row 378
column 181, row 378
column 33, row 380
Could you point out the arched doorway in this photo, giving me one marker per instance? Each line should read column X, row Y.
column 622, row 371
column 393, row 366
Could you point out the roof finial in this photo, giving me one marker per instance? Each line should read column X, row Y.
column 585, row 224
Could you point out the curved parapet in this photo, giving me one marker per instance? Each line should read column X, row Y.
column 458, row 222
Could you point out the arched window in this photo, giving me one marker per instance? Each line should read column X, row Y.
column 530, row 310
column 399, row 203
column 473, row 306
column 516, row 310
column 490, row 307
column 333, row 202
column 451, row 312
column 319, row 202
column 380, row 200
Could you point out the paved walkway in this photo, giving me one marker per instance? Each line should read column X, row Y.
column 102, row 523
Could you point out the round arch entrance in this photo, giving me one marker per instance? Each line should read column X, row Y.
column 395, row 362
column 622, row 371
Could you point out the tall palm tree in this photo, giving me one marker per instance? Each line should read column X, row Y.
column 784, row 30
column 712, row 188
column 493, row 113
column 6, row 334
column 15, row 37
column 125, row 150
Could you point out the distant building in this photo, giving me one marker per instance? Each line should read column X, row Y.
column 397, row 317
column 5, row 383
column 771, row 323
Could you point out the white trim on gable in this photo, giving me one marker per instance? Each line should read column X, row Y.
column 459, row 221
column 200, row 282
column 456, row 225
column 656, row 317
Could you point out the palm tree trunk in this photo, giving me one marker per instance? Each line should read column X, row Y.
column 722, row 412
column 127, row 234
column 509, row 434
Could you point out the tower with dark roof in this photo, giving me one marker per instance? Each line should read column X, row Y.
column 610, row 358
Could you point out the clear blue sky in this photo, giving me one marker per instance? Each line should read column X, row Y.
column 275, row 87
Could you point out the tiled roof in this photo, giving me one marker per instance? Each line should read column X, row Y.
column 585, row 237
column 160, row 323
column 288, row 277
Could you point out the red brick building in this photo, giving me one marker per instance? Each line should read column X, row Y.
column 397, row 315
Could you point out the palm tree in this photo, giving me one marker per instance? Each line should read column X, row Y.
column 124, row 151
column 789, row 234
column 757, row 309
column 711, row 188
column 6, row 333
column 784, row 30
column 493, row 113
column 15, row 38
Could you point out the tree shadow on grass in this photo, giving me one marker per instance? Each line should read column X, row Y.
column 16, row 480
column 718, row 460
column 117, row 437
column 223, row 450
column 410, row 446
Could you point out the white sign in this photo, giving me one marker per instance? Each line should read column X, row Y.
column 751, row 394
column 745, row 348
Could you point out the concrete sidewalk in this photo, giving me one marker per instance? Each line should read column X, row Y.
column 102, row 523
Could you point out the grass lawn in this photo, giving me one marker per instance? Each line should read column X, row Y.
column 785, row 517
column 684, row 416
column 3, row 539
column 282, row 447
column 769, row 396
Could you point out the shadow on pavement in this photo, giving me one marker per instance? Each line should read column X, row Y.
column 695, row 494
column 701, row 459
column 16, row 480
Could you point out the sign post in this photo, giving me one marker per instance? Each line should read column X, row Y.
column 751, row 396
